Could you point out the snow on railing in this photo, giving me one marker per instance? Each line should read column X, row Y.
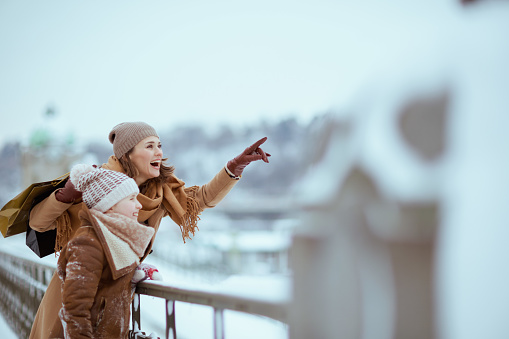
column 276, row 310
column 22, row 286
column 23, row 283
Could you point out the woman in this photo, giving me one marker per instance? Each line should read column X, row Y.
column 137, row 152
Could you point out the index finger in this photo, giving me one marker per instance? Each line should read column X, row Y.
column 256, row 145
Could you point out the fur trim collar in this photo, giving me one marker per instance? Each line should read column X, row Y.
column 124, row 240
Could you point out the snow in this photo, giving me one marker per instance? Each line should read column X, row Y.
column 254, row 241
column 193, row 321
column 16, row 246
column 6, row 331
column 196, row 321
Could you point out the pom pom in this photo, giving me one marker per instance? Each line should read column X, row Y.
column 77, row 171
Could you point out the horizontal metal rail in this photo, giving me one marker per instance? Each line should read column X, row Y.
column 23, row 283
column 277, row 310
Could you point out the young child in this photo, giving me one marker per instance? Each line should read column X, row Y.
column 97, row 265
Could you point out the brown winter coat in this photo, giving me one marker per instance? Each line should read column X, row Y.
column 96, row 267
column 50, row 212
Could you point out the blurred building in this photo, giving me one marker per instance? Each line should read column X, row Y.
column 247, row 244
column 49, row 152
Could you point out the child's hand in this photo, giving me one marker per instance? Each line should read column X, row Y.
column 145, row 272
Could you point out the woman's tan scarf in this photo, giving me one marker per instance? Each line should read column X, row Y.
column 64, row 230
column 178, row 201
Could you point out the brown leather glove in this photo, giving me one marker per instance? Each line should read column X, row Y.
column 250, row 154
column 68, row 193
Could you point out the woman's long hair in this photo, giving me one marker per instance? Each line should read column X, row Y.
column 164, row 173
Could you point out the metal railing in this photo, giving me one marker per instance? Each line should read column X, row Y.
column 23, row 283
column 22, row 286
column 277, row 310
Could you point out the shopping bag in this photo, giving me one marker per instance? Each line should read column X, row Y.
column 41, row 243
column 14, row 215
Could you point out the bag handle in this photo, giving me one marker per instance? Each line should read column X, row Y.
column 62, row 177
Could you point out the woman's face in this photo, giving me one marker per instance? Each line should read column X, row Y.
column 129, row 206
column 147, row 156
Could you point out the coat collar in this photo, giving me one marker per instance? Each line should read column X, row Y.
column 124, row 240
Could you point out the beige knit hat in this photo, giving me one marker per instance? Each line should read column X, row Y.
column 126, row 135
column 102, row 188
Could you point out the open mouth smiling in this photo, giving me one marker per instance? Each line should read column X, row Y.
column 156, row 164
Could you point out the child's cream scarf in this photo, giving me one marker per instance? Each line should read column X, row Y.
column 126, row 240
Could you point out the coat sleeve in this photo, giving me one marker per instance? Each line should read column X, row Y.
column 210, row 194
column 43, row 216
column 83, row 270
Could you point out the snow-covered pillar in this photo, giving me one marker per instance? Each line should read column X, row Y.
column 473, row 253
column 363, row 257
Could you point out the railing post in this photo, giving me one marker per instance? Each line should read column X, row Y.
column 218, row 302
column 136, row 313
column 218, row 323
column 171, row 330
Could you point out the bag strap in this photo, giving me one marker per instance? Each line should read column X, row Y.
column 62, row 178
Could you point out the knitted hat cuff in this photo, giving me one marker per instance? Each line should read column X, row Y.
column 125, row 189
column 102, row 188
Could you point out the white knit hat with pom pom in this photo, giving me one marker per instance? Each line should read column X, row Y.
column 102, row 188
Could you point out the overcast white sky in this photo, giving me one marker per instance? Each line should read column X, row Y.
column 168, row 62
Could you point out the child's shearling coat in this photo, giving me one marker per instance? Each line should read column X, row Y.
column 96, row 268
